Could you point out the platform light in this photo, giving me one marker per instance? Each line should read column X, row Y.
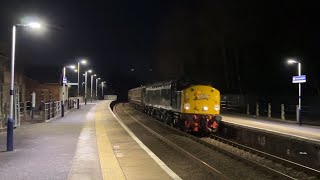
column 83, row 61
column 34, row 25
column 71, row 66
column 10, row 121
column 292, row 61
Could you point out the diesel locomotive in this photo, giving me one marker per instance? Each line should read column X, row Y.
column 193, row 108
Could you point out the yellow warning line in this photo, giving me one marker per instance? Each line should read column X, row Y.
column 109, row 164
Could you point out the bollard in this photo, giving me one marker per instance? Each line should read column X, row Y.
column 25, row 109
column 49, row 110
column 257, row 109
column 43, row 109
column 269, row 110
column 78, row 103
column 33, row 103
column 53, row 107
column 62, row 109
column 282, row 112
column 248, row 109
column 297, row 113
column 52, row 110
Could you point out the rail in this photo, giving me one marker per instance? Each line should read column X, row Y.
column 264, row 161
column 275, row 159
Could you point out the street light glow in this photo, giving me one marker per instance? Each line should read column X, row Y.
column 75, row 70
column 292, row 61
column 83, row 61
column 94, row 75
column 34, row 25
column 90, row 71
column 72, row 66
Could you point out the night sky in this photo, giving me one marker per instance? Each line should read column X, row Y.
column 239, row 47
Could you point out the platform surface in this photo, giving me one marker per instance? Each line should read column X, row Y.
column 90, row 143
column 280, row 127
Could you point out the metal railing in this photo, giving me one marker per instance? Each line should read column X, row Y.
column 270, row 108
column 25, row 108
column 50, row 110
column 43, row 112
column 53, row 109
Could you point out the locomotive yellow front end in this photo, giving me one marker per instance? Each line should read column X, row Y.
column 200, row 108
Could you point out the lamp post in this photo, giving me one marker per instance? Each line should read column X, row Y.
column 80, row 62
column 13, row 48
column 102, row 85
column 92, row 75
column 64, row 81
column 292, row 61
column 97, row 79
column 85, row 85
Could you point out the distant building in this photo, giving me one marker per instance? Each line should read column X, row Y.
column 24, row 87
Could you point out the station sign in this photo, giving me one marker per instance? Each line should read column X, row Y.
column 72, row 84
column 64, row 81
column 299, row 79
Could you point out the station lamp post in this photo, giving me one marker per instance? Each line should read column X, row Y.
column 64, row 81
column 293, row 61
column 33, row 25
column 97, row 79
column 84, row 62
column 85, row 85
column 102, row 85
column 92, row 75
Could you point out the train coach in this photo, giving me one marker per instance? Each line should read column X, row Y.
column 191, row 107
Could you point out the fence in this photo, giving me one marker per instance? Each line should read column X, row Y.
column 53, row 109
column 271, row 107
column 25, row 109
column 50, row 110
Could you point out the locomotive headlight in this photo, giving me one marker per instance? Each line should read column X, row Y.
column 216, row 107
column 205, row 108
column 186, row 106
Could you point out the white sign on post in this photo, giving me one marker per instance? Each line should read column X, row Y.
column 299, row 79
column 33, row 95
column 64, row 81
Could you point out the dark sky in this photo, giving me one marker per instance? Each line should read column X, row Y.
column 239, row 46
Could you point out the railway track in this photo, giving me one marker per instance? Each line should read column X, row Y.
column 288, row 168
column 178, row 148
column 271, row 165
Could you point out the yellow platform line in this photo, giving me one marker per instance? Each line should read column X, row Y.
column 109, row 164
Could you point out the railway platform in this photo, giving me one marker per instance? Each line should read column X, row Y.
column 91, row 143
column 278, row 127
column 287, row 140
